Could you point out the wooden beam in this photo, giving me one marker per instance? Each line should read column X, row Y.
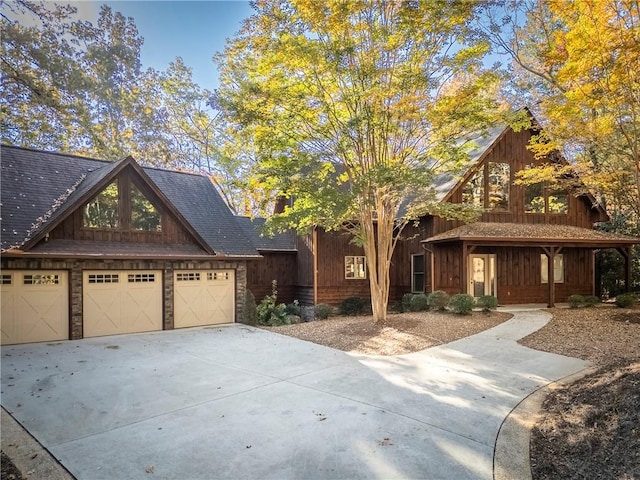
column 550, row 252
column 464, row 267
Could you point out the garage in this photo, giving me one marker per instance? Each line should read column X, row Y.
column 117, row 302
column 35, row 306
column 203, row 297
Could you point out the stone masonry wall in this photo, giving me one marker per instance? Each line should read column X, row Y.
column 75, row 268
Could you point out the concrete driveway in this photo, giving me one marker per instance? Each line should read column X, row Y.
column 239, row 402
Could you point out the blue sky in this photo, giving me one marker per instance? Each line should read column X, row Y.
column 193, row 30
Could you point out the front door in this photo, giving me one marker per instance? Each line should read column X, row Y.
column 482, row 275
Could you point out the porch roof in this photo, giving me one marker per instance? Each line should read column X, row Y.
column 485, row 233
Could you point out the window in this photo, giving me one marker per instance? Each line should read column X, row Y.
column 557, row 201
column 489, row 187
column 188, row 277
column 41, row 280
column 473, row 191
column 558, row 268
column 499, row 181
column 141, row 277
column 6, row 279
column 218, row 276
column 102, row 211
column 103, row 278
column 355, row 267
column 534, row 198
column 417, row 273
column 144, row 216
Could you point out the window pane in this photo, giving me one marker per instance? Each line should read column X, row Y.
column 354, row 267
column 558, row 269
column 499, row 182
column 558, row 202
column 102, row 211
column 534, row 198
column 144, row 216
column 417, row 270
column 473, row 191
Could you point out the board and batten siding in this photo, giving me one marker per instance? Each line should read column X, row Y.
column 277, row 266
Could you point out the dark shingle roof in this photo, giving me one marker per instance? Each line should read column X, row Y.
column 39, row 187
column 534, row 233
column 253, row 228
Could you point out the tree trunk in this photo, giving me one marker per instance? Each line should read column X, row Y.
column 378, row 247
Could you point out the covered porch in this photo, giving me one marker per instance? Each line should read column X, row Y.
column 522, row 263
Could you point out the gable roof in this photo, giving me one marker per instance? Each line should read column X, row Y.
column 280, row 242
column 40, row 189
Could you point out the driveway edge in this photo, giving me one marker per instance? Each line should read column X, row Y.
column 27, row 454
column 511, row 451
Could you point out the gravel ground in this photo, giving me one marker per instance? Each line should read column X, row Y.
column 401, row 333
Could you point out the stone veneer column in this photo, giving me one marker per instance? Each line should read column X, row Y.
column 241, row 289
column 76, row 301
column 168, row 296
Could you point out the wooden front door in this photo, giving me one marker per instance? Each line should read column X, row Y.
column 482, row 275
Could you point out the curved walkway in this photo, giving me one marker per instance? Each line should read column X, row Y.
column 238, row 402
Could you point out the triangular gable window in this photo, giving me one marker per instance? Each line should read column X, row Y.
column 144, row 216
column 108, row 209
column 102, row 211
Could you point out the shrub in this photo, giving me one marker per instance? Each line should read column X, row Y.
column 270, row 312
column 405, row 303
column 461, row 303
column 591, row 300
column 249, row 312
column 322, row 311
column 576, row 301
column 352, row 306
column 626, row 300
column 294, row 309
column 487, row 303
column 438, row 300
column 419, row 302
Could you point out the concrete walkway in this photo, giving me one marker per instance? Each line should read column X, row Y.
column 238, row 402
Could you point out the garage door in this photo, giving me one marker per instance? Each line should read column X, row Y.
column 203, row 297
column 35, row 306
column 116, row 302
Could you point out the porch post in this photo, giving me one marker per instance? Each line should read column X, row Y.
column 551, row 253
column 626, row 254
column 464, row 267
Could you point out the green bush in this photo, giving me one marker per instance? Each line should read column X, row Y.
column 577, row 301
column 294, row 309
column 249, row 312
column 419, row 302
column 461, row 303
column 438, row 300
column 270, row 312
column 487, row 303
column 626, row 300
column 405, row 303
column 352, row 306
column 322, row 311
column 591, row 300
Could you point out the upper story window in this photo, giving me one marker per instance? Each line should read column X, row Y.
column 355, row 267
column 102, row 211
column 144, row 216
column 539, row 199
column 109, row 209
column 489, row 187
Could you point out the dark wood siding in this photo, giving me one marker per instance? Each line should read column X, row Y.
column 518, row 273
column 277, row 266
column 512, row 149
column 172, row 232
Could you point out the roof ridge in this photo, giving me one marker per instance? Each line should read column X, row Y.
column 58, row 154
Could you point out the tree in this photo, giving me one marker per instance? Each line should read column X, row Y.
column 73, row 86
column 577, row 64
column 354, row 107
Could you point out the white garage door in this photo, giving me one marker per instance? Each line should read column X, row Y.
column 203, row 297
column 35, row 306
column 116, row 302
